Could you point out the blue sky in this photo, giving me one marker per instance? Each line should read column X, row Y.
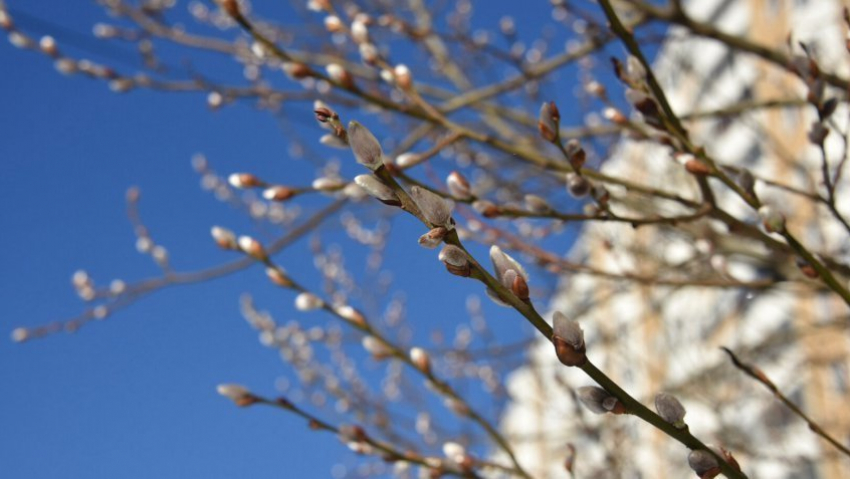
column 134, row 396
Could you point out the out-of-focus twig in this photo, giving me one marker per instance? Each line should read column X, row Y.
column 757, row 374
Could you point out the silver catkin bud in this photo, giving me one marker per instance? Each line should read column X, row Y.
column 436, row 209
column 599, row 401
column 502, row 264
column 568, row 339
column 366, row 148
column 456, row 260
column 670, row 409
column 702, row 462
column 377, row 188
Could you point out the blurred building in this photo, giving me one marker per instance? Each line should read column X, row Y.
column 655, row 334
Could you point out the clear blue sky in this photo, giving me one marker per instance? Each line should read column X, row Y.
column 134, row 396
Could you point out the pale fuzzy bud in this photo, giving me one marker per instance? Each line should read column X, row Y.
column 318, row 5
column 548, row 121
column 65, row 66
column 244, row 180
column 436, row 209
column 363, row 448
column 102, row 30
column 19, row 335
column 703, row 463
column 278, row 193
column 507, row 25
column 20, row 40
column 387, row 76
column 595, row 88
column 401, row 468
column 215, row 100
column 772, row 219
column 308, row 302
column 592, row 397
column 369, row 53
column 339, row 75
column 237, row 393
column 456, row 260
column 117, row 287
column 232, row 391
column 223, row 237
column 359, row 31
column 133, row 194
column 160, row 254
column 536, row 204
column 142, row 80
column 81, row 279
column 48, row 46
column 278, row 277
column 451, row 254
column 403, row 77
column 454, row 452
column 423, row 419
column 5, row 20
column 406, row 160
column 367, row 150
column 351, row 433
column 577, row 155
column 420, row 358
column 100, row 312
column 486, row 208
column 333, row 24
column 635, row 69
column 144, row 245
column 568, row 339
column 350, row 314
column 599, row 401
column 358, row 444
column 683, row 158
column 578, row 186
column 251, row 247
column 377, row 188
column 327, row 184
column 375, row 347
column 295, row 70
column 121, row 85
column 457, row 406
column 329, row 139
column 95, row 70
column 433, row 238
column 354, row 191
column 87, row 293
column 503, row 263
column 458, row 186
column 324, row 113
column 259, row 50
column 670, row 409
column 719, row 263
column 614, row 116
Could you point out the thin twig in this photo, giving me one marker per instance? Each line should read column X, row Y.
column 757, row 374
